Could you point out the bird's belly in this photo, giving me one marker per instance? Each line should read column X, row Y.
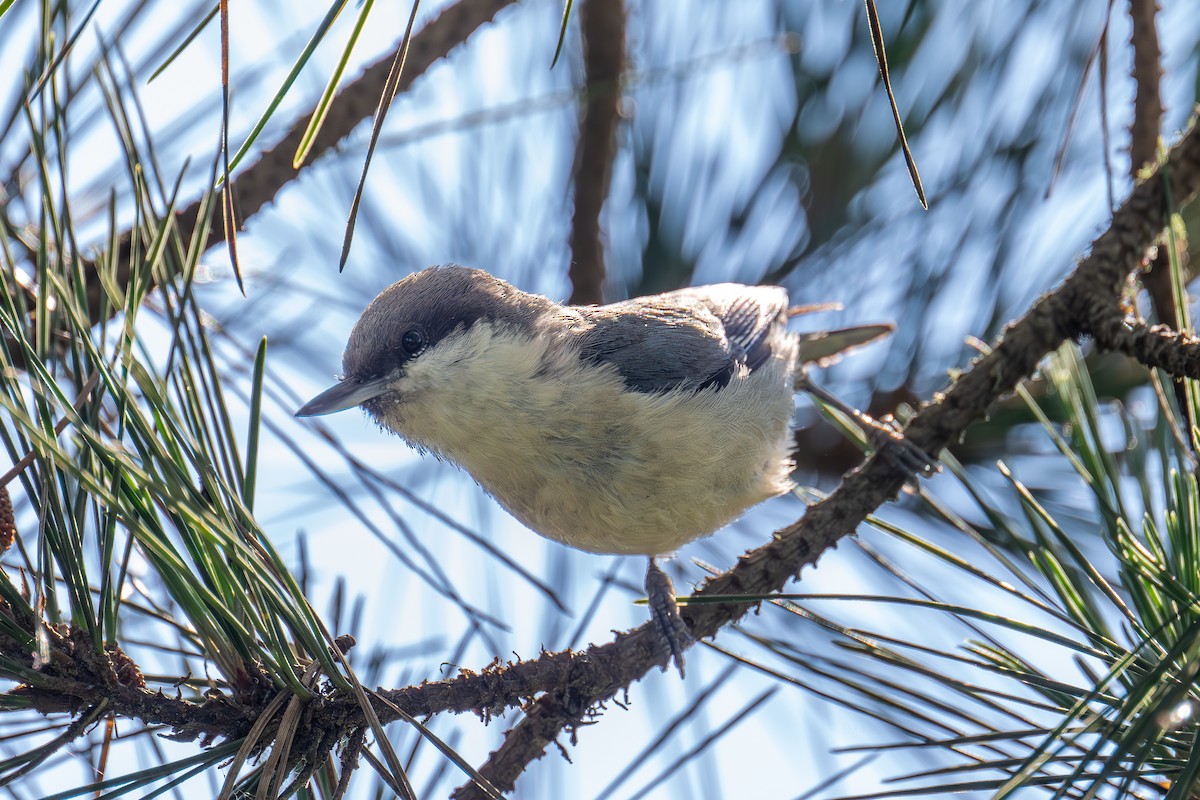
column 633, row 519
column 638, row 473
column 582, row 459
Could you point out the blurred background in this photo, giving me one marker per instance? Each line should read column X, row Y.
column 753, row 142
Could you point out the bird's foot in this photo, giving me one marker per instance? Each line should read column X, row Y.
column 891, row 444
column 883, row 438
column 660, row 595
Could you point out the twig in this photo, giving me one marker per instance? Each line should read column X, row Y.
column 603, row 25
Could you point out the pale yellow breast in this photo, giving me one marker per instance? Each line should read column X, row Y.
column 580, row 459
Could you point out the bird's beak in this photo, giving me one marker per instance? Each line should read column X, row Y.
column 347, row 394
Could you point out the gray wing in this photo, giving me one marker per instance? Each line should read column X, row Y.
column 697, row 337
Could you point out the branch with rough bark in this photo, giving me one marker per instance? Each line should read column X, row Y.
column 1084, row 304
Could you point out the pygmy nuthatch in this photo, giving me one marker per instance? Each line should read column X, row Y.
column 634, row 427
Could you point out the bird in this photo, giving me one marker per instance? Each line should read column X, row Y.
column 629, row 428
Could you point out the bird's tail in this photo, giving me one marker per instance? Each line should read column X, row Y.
column 824, row 347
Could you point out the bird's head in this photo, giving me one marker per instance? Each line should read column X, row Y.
column 416, row 329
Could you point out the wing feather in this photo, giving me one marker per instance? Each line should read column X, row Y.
column 698, row 337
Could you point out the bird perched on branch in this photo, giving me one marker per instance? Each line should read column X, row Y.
column 629, row 428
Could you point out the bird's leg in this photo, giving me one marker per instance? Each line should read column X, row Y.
column 883, row 438
column 660, row 595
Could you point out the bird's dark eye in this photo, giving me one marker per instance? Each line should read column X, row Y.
column 413, row 341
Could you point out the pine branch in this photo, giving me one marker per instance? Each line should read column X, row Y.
column 1084, row 299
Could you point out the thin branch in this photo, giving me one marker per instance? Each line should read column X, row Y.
column 1146, row 126
column 603, row 24
column 1144, row 131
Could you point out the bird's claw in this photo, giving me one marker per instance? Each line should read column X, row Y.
column 892, row 445
column 883, row 438
column 660, row 595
